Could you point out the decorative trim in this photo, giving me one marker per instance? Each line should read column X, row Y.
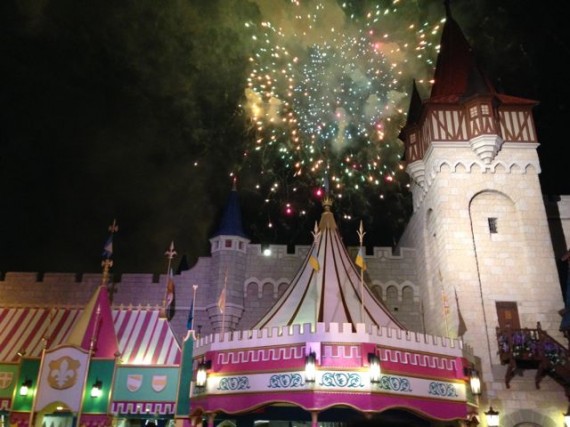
column 256, row 355
column 440, row 389
column 432, row 361
column 126, row 408
column 20, row 419
column 341, row 379
column 330, row 386
column 423, row 171
column 391, row 383
column 298, row 335
column 234, row 383
column 486, row 147
column 286, row 381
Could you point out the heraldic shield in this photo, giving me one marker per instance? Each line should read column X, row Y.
column 6, row 379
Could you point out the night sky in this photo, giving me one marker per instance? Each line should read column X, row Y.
column 133, row 110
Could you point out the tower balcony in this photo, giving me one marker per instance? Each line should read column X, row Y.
column 534, row 349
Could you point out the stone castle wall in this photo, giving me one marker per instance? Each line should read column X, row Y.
column 459, row 253
column 391, row 276
column 558, row 214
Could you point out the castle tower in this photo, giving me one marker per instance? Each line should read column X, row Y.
column 479, row 223
column 228, row 247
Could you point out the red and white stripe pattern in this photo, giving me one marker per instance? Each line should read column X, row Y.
column 143, row 336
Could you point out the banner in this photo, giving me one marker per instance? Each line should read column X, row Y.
column 62, row 377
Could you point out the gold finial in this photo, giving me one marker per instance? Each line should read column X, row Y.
column 316, row 233
column 170, row 253
column 327, row 203
column 361, row 233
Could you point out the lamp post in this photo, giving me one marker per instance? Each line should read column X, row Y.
column 374, row 368
column 25, row 387
column 474, row 382
column 202, row 373
column 310, row 367
column 97, row 388
column 492, row 417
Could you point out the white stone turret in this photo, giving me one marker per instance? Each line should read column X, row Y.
column 479, row 222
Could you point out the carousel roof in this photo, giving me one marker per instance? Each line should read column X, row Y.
column 329, row 287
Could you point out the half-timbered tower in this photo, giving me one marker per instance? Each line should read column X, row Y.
column 479, row 224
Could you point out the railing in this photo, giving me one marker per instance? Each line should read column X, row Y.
column 523, row 349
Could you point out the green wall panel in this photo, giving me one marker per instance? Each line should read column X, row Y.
column 145, row 383
column 29, row 369
column 8, row 379
column 101, row 370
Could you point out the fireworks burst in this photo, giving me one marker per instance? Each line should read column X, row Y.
column 327, row 96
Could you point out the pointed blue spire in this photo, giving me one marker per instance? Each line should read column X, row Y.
column 231, row 223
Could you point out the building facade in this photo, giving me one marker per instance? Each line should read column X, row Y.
column 475, row 283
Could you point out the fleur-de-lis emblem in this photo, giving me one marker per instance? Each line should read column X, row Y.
column 63, row 372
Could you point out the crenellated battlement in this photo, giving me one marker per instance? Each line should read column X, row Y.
column 391, row 275
column 32, row 288
column 332, row 332
column 254, row 250
column 23, row 278
column 301, row 251
column 66, row 306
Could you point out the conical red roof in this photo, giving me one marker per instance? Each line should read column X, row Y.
column 457, row 74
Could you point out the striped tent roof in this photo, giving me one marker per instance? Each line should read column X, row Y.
column 328, row 288
column 143, row 336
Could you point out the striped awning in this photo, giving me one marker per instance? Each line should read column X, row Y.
column 144, row 337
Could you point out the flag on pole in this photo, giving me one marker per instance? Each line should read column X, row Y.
column 461, row 327
column 313, row 260
column 190, row 317
column 222, row 300
column 445, row 303
column 360, row 259
column 108, row 247
column 170, row 297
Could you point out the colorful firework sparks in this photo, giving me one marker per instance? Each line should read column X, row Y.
column 328, row 92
